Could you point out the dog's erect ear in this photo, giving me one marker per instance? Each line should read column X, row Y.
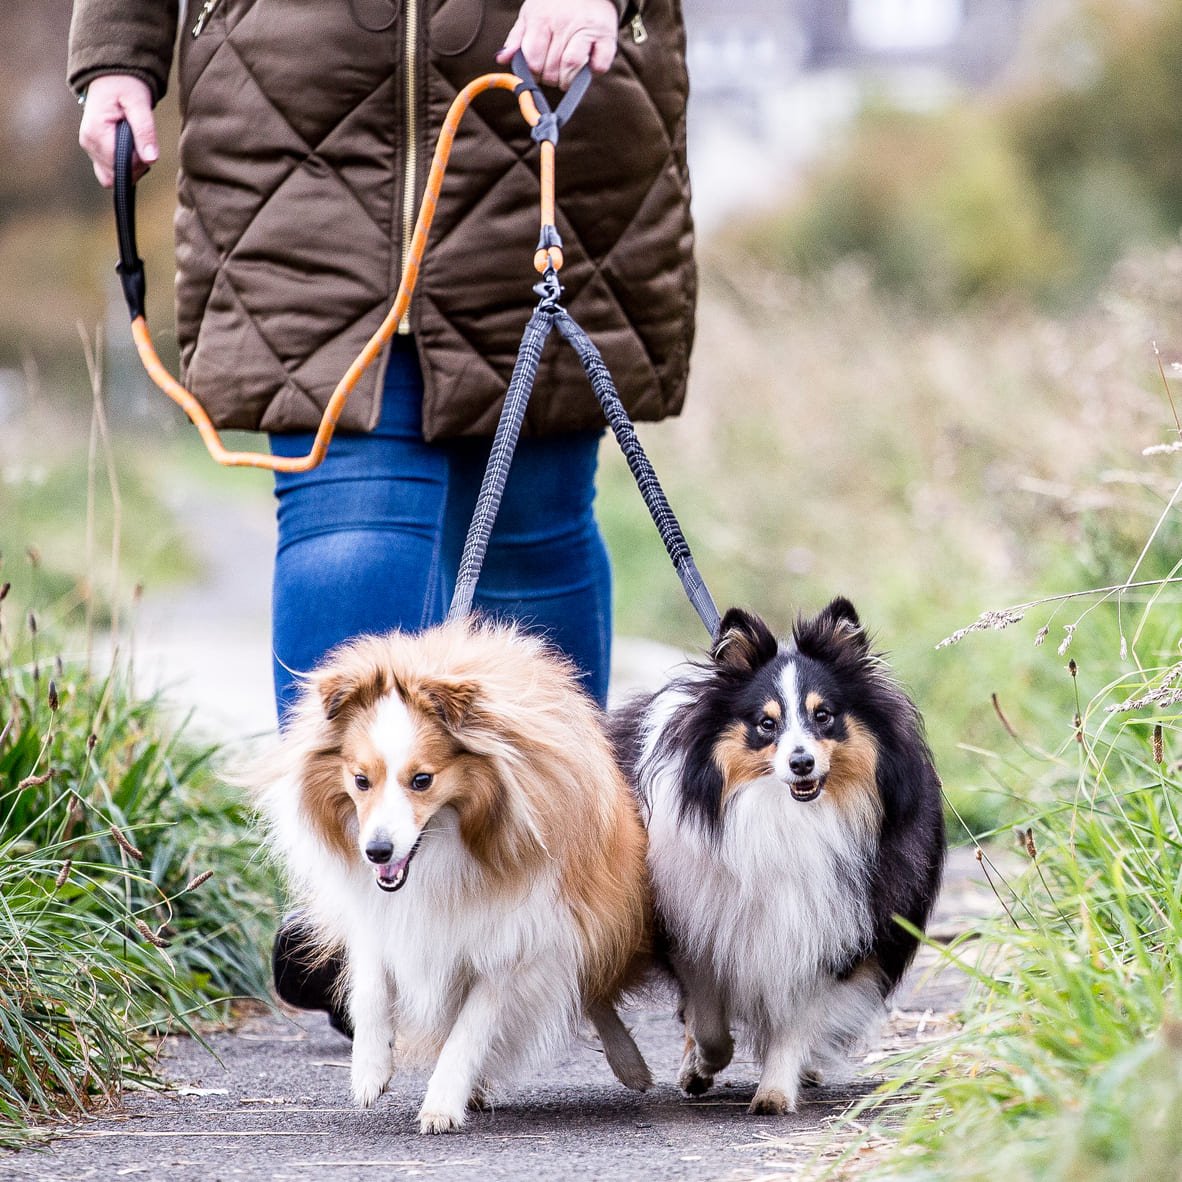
column 744, row 642
column 450, row 700
column 836, row 624
column 839, row 614
column 339, row 686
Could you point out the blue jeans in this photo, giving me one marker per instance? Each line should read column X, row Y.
column 370, row 541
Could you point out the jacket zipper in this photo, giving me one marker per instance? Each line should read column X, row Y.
column 639, row 32
column 204, row 15
column 412, row 141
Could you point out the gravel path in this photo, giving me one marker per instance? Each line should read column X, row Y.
column 271, row 1102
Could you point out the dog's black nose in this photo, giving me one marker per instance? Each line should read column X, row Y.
column 801, row 763
column 380, row 851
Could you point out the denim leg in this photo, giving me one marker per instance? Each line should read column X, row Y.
column 359, row 546
column 547, row 565
column 370, row 541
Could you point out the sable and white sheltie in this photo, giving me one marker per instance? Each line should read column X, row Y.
column 793, row 811
column 451, row 819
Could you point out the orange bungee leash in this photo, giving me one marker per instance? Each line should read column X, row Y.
column 547, row 258
column 548, row 315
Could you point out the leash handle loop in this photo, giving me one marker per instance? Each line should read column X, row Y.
column 130, row 266
column 131, row 273
column 550, row 121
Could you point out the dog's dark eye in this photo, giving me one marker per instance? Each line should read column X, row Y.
column 822, row 716
column 362, row 781
column 421, row 781
column 766, row 725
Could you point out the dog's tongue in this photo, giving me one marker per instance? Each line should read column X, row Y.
column 393, row 874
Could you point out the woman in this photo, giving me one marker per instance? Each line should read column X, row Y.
column 307, row 130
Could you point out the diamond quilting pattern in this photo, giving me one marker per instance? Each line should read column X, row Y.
column 295, row 165
column 314, row 71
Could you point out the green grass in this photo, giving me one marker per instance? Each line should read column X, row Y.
column 1069, row 1062
column 91, row 548
column 112, row 928
column 1068, row 1065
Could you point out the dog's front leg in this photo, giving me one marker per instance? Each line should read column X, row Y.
column 458, row 1075
column 783, row 1060
column 371, row 1008
column 708, row 1042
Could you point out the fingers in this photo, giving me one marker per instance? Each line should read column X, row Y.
column 512, row 42
column 559, row 37
column 582, row 49
column 108, row 100
column 603, row 53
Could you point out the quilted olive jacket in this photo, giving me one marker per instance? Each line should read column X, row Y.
column 307, row 131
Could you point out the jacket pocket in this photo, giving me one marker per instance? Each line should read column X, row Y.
column 375, row 16
column 455, row 26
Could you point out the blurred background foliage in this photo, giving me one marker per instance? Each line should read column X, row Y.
column 1034, row 191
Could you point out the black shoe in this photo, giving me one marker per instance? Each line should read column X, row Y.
column 304, row 980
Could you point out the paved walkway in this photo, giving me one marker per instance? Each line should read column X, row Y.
column 271, row 1102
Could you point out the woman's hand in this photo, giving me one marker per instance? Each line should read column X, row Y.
column 559, row 37
column 108, row 99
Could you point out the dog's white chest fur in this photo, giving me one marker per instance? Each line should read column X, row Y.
column 445, row 929
column 772, row 903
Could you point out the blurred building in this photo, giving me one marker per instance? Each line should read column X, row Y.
column 771, row 79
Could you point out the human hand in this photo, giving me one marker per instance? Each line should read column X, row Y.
column 110, row 98
column 559, row 37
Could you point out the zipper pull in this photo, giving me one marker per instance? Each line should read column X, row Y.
column 204, row 15
column 639, row 32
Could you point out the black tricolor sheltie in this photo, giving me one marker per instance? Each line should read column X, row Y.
column 793, row 811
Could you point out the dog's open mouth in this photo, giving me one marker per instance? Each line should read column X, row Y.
column 392, row 875
column 806, row 790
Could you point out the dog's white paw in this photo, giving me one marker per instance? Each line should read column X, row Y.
column 772, row 1102
column 369, row 1081
column 440, row 1122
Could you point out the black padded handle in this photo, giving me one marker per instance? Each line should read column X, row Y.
column 130, row 266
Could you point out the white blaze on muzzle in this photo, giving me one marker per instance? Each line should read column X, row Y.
column 801, row 761
column 389, row 832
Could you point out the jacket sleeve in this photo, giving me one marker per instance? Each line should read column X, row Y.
column 122, row 37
